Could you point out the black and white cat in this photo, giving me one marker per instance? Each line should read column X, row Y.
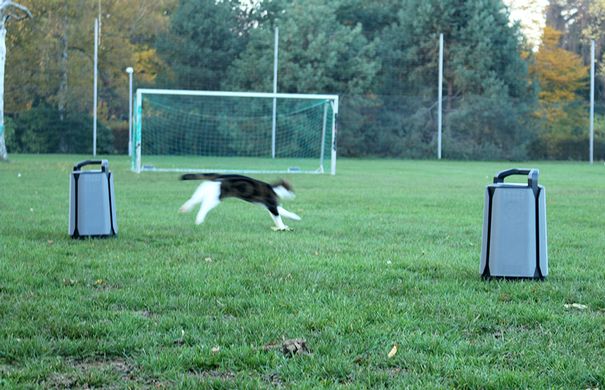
column 218, row 187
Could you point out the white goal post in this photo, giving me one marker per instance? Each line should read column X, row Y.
column 243, row 132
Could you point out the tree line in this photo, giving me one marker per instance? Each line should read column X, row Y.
column 501, row 98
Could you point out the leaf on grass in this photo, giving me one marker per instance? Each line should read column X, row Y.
column 393, row 351
column 294, row 347
column 69, row 282
column 180, row 340
column 578, row 306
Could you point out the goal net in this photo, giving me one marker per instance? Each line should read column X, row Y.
column 203, row 131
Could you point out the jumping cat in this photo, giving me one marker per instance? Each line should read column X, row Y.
column 218, row 187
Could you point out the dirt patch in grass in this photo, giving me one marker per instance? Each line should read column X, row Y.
column 274, row 379
column 144, row 313
column 5, row 371
column 58, row 380
column 120, row 366
column 213, row 374
column 396, row 371
column 78, row 373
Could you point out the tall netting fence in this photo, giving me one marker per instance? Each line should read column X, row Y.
column 473, row 127
column 394, row 126
column 599, row 129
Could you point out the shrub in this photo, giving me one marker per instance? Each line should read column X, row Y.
column 41, row 130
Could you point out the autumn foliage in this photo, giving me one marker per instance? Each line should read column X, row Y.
column 562, row 78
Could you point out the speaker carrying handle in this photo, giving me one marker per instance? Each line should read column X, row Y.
column 104, row 164
column 532, row 176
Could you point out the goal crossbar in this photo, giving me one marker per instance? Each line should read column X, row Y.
column 185, row 92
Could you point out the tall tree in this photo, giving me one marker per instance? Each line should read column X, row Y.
column 561, row 74
column 572, row 18
column 531, row 16
column 317, row 54
column 53, row 65
column 563, row 82
column 8, row 10
column 485, row 81
column 373, row 16
column 203, row 40
column 596, row 31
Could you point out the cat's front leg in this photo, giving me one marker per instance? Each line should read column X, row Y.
column 279, row 224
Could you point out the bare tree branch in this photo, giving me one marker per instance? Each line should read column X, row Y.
column 7, row 3
column 6, row 14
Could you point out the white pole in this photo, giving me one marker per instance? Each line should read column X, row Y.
column 137, row 131
column 100, row 21
column 94, row 99
column 129, row 70
column 334, row 104
column 323, row 138
column 274, row 123
column 440, row 101
column 592, row 62
column 3, row 152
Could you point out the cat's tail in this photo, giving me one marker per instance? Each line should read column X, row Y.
column 199, row 176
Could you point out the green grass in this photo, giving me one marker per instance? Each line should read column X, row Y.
column 387, row 253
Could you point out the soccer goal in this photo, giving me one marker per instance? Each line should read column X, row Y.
column 203, row 131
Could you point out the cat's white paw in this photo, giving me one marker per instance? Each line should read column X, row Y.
column 185, row 208
column 281, row 229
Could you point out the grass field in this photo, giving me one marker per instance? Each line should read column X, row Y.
column 387, row 254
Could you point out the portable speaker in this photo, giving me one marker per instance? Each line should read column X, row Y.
column 92, row 211
column 514, row 228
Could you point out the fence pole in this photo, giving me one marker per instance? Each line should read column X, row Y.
column 440, row 103
column 592, row 63
column 274, row 121
column 94, row 98
column 129, row 70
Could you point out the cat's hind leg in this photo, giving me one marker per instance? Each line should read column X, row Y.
column 210, row 198
column 197, row 197
column 207, row 205
column 287, row 214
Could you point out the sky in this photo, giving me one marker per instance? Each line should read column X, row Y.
column 531, row 15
